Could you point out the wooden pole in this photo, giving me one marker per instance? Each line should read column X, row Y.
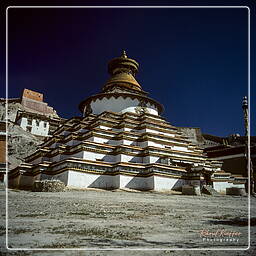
column 247, row 145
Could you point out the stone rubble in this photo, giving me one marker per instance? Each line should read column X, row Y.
column 49, row 186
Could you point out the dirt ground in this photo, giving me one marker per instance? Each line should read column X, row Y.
column 136, row 223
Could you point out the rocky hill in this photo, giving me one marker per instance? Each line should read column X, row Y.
column 13, row 108
column 20, row 142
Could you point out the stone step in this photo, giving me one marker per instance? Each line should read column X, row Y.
column 209, row 190
column 235, row 191
column 191, row 190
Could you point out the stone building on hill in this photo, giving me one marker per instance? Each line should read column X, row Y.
column 31, row 113
column 29, row 121
column 121, row 141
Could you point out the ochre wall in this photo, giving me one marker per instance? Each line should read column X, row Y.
column 2, row 150
column 32, row 95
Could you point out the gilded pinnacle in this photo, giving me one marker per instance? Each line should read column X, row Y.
column 124, row 54
column 245, row 103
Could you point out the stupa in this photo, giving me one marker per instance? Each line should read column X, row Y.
column 121, row 141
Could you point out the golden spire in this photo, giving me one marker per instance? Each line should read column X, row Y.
column 123, row 71
column 123, row 54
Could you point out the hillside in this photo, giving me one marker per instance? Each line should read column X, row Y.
column 20, row 142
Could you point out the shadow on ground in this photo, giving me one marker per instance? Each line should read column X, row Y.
column 234, row 222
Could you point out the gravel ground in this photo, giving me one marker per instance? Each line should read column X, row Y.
column 126, row 220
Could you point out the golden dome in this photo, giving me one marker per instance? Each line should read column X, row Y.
column 123, row 79
column 122, row 83
column 123, row 71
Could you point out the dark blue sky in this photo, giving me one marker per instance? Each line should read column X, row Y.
column 193, row 61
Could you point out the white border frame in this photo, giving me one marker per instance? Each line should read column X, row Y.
column 134, row 248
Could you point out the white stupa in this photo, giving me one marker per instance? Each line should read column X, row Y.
column 121, row 141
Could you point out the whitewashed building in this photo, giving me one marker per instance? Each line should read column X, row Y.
column 31, row 113
column 37, row 124
column 121, row 141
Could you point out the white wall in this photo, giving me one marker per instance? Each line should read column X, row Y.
column 150, row 159
column 136, row 159
column 147, row 143
column 221, row 186
column 153, row 144
column 157, row 132
column 23, row 123
column 115, row 142
column 100, row 140
column 109, row 158
column 141, row 183
column 37, row 127
column 126, row 129
column 92, row 155
column 119, row 105
column 127, row 158
column 184, row 149
column 41, row 129
column 126, row 142
column 164, row 183
column 104, row 127
column 86, row 180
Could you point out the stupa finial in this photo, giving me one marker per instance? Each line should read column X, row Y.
column 123, row 70
column 124, row 54
column 245, row 103
column 246, row 115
